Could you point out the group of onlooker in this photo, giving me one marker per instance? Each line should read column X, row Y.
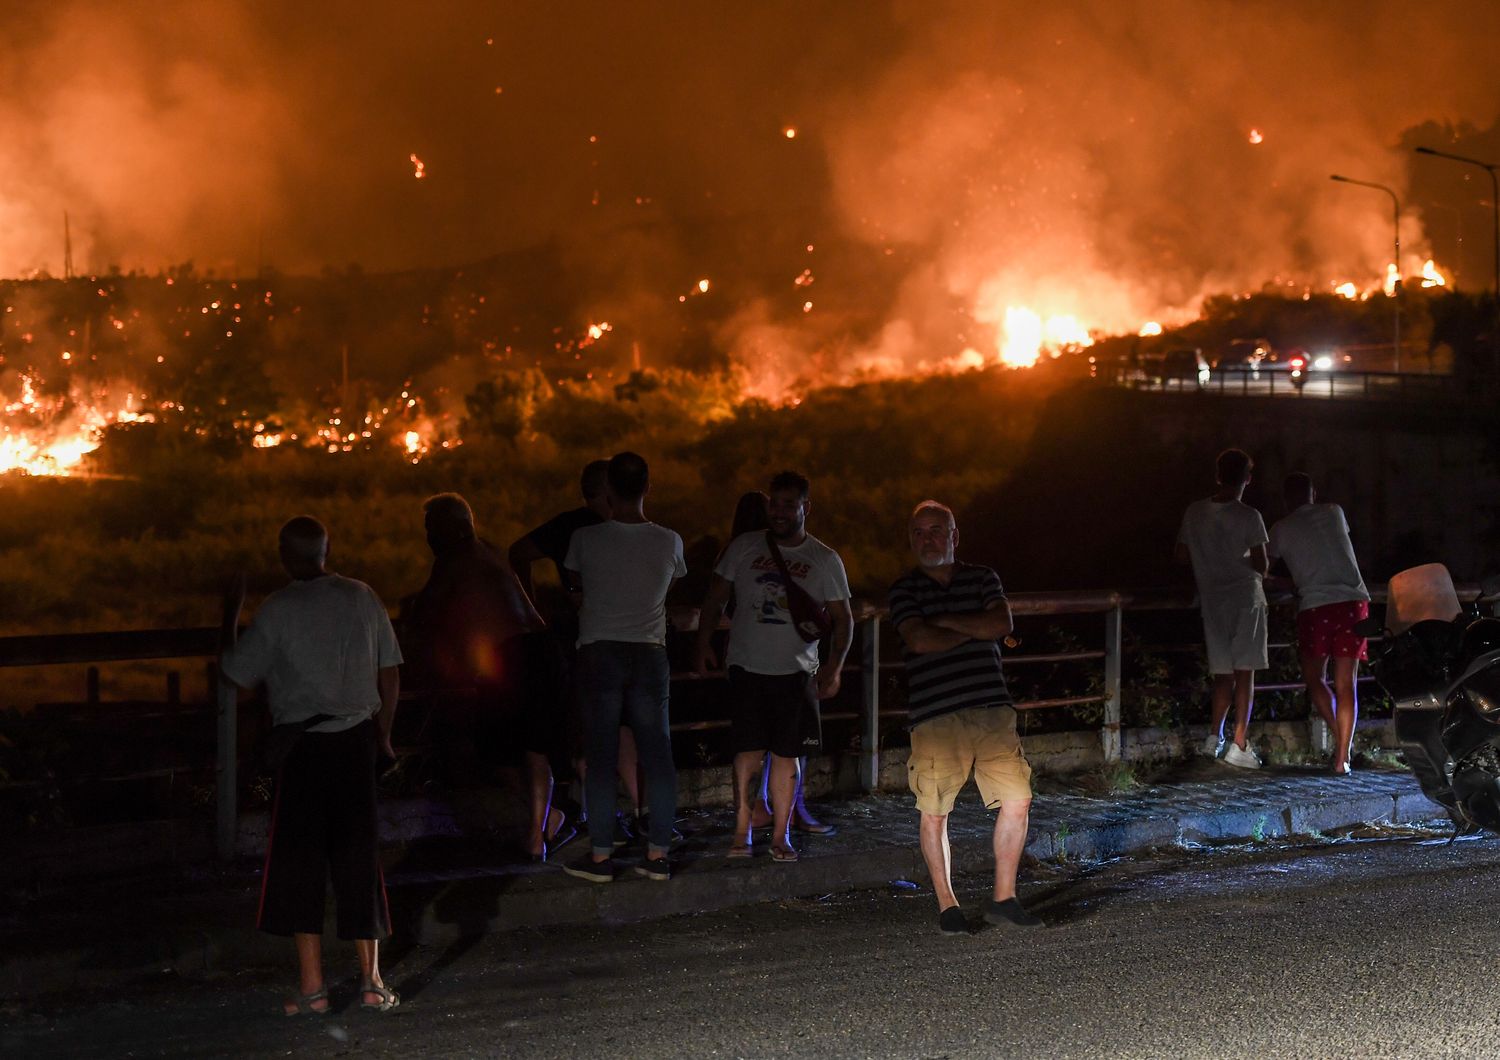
column 594, row 674
column 1225, row 541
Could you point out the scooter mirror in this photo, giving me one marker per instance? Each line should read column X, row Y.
column 1490, row 586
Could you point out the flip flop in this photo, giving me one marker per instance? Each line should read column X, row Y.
column 741, row 850
column 783, row 855
column 815, row 828
column 303, row 1004
column 389, row 999
column 564, row 835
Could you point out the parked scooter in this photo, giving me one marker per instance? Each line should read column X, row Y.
column 1441, row 666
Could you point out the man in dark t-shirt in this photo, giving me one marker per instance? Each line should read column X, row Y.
column 550, row 542
column 951, row 617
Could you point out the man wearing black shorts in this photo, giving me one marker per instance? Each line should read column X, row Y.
column 775, row 677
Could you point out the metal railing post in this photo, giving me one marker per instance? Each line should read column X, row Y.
column 1110, row 733
column 869, row 762
column 226, row 770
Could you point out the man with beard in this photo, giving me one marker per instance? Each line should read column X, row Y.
column 951, row 617
column 775, row 676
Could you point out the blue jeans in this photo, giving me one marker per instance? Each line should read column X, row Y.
column 621, row 683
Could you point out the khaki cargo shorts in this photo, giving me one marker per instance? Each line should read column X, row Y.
column 945, row 750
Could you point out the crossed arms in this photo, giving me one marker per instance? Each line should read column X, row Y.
column 941, row 632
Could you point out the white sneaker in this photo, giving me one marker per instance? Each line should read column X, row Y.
column 1213, row 745
column 1245, row 759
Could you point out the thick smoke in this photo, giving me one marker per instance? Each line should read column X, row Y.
column 1099, row 159
column 1084, row 159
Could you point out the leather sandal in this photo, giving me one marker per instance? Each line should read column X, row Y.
column 389, row 999
column 302, row 1004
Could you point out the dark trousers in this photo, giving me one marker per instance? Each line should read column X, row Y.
column 324, row 826
column 621, row 683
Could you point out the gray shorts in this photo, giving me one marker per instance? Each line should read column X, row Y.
column 1235, row 636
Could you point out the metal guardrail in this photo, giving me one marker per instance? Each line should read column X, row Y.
column 1338, row 384
column 117, row 646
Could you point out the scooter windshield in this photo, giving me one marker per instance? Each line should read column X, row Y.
column 1421, row 594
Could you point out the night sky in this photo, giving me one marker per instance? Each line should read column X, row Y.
column 1092, row 159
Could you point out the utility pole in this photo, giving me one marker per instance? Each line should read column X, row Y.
column 1396, row 215
column 1490, row 168
column 67, row 249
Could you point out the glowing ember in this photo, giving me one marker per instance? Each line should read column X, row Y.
column 1256, row 137
column 421, row 167
column 413, row 443
column 1150, row 327
column 790, row 133
column 702, row 286
column 1430, row 275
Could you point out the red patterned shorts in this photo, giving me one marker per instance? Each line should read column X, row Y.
column 1329, row 630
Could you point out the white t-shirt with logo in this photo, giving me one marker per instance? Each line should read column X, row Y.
column 762, row 638
column 626, row 570
column 318, row 644
column 1314, row 541
column 1219, row 536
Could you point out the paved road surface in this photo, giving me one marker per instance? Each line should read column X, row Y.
column 1382, row 946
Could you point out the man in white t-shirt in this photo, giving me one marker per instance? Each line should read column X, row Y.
column 1313, row 541
column 625, row 566
column 775, row 679
column 1225, row 541
column 324, row 647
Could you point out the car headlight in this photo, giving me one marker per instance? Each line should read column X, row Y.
column 1323, row 363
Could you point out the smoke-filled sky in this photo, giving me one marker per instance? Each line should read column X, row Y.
column 1089, row 158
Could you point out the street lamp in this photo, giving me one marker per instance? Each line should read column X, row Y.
column 1396, row 216
column 1488, row 167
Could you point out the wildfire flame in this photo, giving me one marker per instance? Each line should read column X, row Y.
column 41, row 436
column 421, row 170
column 1430, row 275
column 1150, row 328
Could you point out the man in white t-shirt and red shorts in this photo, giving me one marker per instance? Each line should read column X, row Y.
column 1225, row 541
column 1313, row 541
column 775, row 677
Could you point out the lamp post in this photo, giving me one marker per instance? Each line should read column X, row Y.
column 1488, row 167
column 1396, row 217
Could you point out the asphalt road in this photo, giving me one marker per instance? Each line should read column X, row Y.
column 1382, row 946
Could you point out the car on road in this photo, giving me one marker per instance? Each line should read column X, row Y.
column 1185, row 365
column 1244, row 355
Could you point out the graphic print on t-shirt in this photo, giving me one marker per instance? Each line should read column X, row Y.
column 772, row 608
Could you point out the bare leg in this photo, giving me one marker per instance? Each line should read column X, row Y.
column 369, row 969
column 1223, row 696
column 804, row 815
column 539, row 781
column 745, row 764
column 630, row 769
column 760, row 813
column 939, row 858
column 1010, row 841
column 309, row 970
column 1347, row 696
column 1244, row 692
column 1314, row 673
column 784, row 773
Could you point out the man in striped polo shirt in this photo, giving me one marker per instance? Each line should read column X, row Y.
column 951, row 617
